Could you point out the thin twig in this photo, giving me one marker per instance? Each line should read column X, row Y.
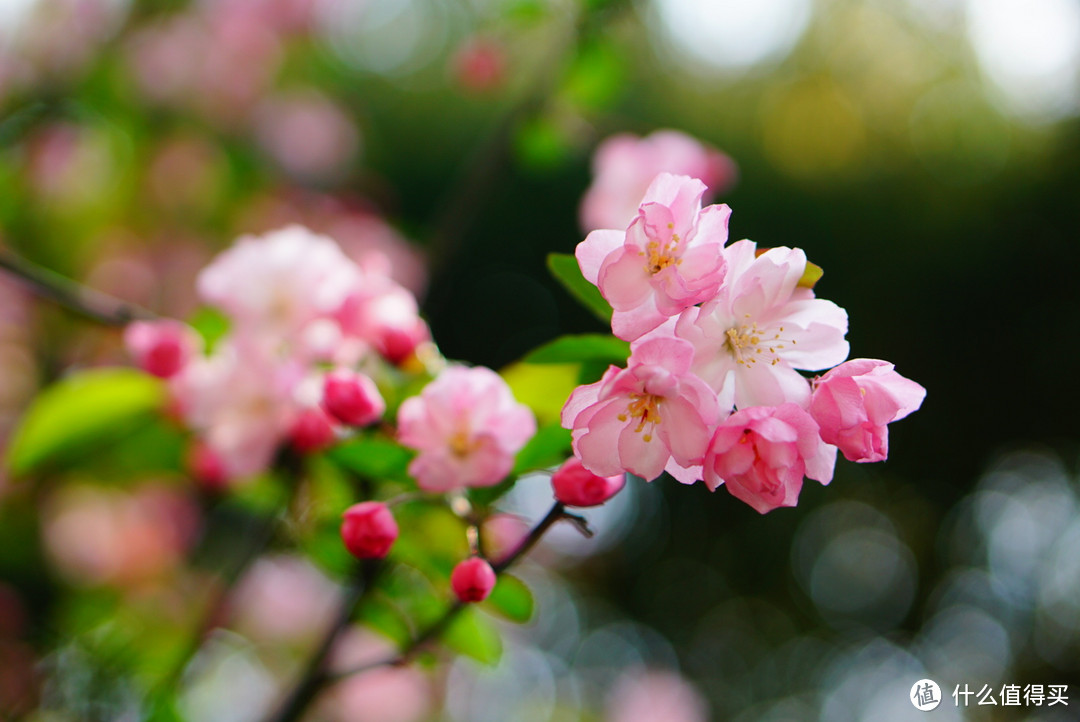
column 557, row 512
column 73, row 296
column 315, row 675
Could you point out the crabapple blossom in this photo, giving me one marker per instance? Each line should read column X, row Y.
column 854, row 402
column 761, row 327
column 352, row 398
column 240, row 402
column 385, row 315
column 574, row 485
column 640, row 418
column 279, row 282
column 668, row 259
column 472, row 580
column 762, row 453
column 466, row 426
column 624, row 165
column 368, row 530
column 161, row 348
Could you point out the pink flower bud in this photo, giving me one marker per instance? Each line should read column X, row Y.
column 161, row 348
column 312, row 431
column 473, row 580
column 207, row 466
column 369, row 530
column 574, row 485
column 352, row 398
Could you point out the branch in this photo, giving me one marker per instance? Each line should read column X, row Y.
column 315, row 675
column 75, row 297
column 558, row 512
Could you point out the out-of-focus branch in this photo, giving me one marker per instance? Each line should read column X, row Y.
column 75, row 297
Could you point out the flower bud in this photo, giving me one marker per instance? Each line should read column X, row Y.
column 472, row 580
column 574, row 485
column 161, row 348
column 369, row 530
column 312, row 431
column 207, row 466
column 352, row 398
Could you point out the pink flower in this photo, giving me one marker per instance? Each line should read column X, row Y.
column 762, row 327
column 307, row 134
column 655, row 696
column 639, row 418
column 763, row 453
column 624, row 166
column 854, row 403
column 161, row 348
column 273, row 285
column 241, row 402
column 669, row 258
column 385, row 315
column 466, row 426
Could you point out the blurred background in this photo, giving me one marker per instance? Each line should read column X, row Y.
column 925, row 153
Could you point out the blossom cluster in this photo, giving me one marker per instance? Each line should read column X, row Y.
column 309, row 328
column 719, row 333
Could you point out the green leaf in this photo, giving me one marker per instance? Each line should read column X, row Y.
column 581, row 347
column 511, row 599
column 565, row 268
column 549, row 447
column 475, row 637
column 211, row 324
column 811, row 275
column 544, row 388
column 374, row 458
column 80, row 414
column 381, row 615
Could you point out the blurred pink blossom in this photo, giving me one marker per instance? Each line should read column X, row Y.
column 383, row 694
column 107, row 536
column 466, row 426
column 624, row 166
column 655, row 696
column 307, row 134
column 273, row 285
column 283, row 598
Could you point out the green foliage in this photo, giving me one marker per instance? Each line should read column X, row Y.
column 81, row 414
column 472, row 635
column 211, row 324
column 549, row 447
column 544, row 388
column 511, row 599
column 811, row 275
column 581, row 347
column 565, row 268
column 373, row 457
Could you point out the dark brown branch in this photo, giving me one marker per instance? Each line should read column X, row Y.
column 75, row 297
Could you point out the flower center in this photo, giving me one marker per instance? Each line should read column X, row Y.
column 661, row 255
column 749, row 344
column 645, row 408
column 461, row 445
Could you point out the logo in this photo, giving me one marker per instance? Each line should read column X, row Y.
column 925, row 695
